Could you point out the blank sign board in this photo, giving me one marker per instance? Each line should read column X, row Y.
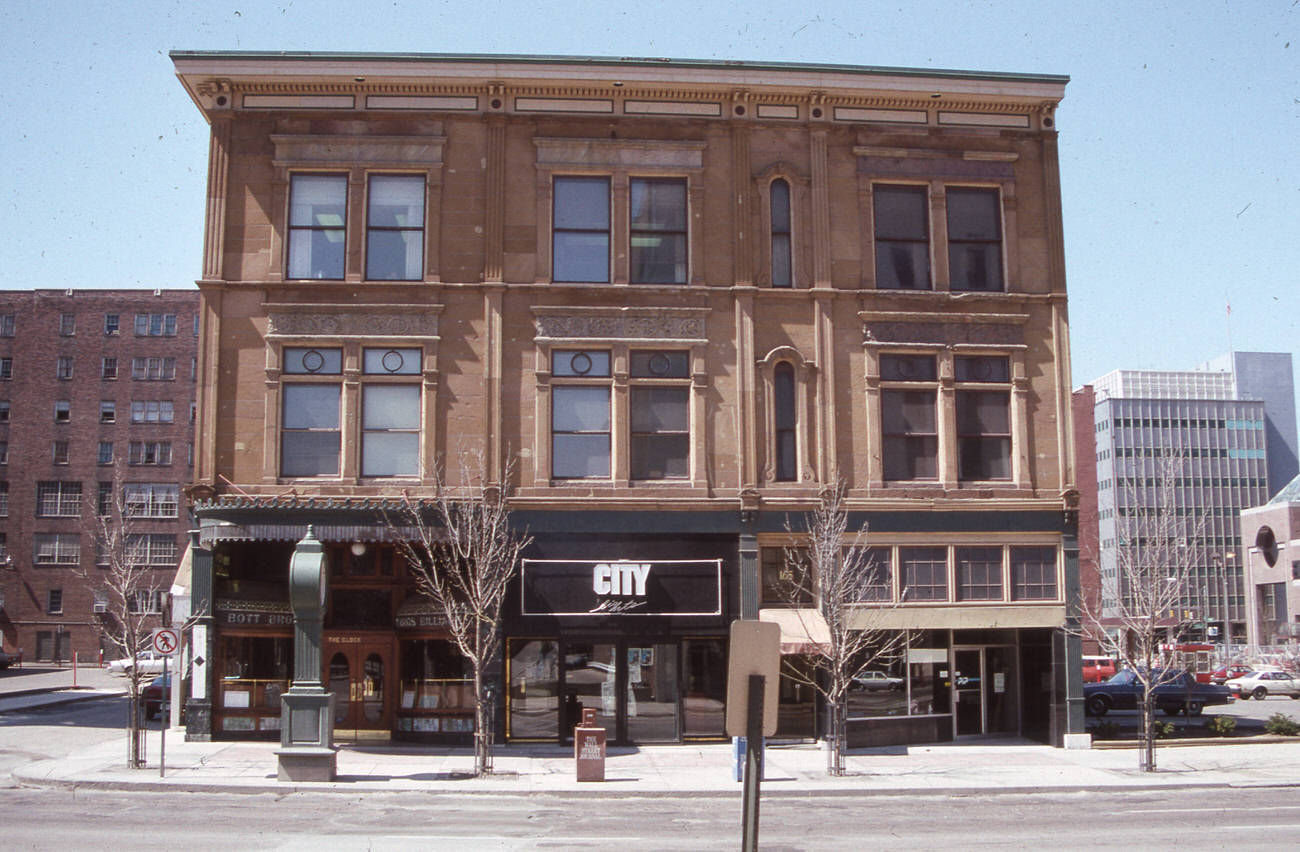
column 755, row 650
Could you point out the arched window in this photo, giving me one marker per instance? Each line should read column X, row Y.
column 783, row 403
column 782, row 270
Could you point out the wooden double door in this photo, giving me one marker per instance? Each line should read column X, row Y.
column 360, row 672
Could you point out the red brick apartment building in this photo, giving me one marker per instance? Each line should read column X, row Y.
column 92, row 382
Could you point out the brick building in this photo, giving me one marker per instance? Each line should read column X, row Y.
column 684, row 298
column 93, row 384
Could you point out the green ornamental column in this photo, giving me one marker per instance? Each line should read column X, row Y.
column 307, row 751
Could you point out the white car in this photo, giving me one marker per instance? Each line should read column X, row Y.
column 1260, row 685
column 148, row 663
column 872, row 681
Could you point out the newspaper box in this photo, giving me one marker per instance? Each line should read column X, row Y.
column 589, row 748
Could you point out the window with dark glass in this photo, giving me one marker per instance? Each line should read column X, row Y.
column 782, row 255
column 902, row 233
column 149, row 452
column 924, row 573
column 60, row 452
column 108, row 368
column 874, row 583
column 4, row 411
column 786, row 577
column 395, row 228
column 983, row 418
column 317, row 226
column 107, row 411
column 105, row 452
column 6, row 368
column 63, row 367
column 580, row 236
column 786, row 423
column 6, row 325
column 909, row 421
column 54, row 602
column 390, row 414
column 974, row 239
column 112, row 323
column 67, row 324
column 62, row 411
column 660, row 428
column 580, row 415
column 657, row 233
column 979, row 573
column 310, row 433
column 1033, row 573
column 4, row 499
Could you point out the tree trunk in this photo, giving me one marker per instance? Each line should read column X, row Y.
column 1147, row 753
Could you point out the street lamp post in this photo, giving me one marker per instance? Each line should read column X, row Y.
column 1229, row 559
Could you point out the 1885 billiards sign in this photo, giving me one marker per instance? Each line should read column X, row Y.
column 622, row 587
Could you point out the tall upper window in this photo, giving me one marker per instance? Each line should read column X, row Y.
column 63, row 367
column 974, row 239
column 310, row 435
column 67, row 324
column 782, row 257
column 660, row 445
column 395, row 228
column 580, row 418
column 1033, row 573
column 983, row 418
column 580, row 240
column 785, row 421
column 924, row 573
column 6, row 368
column 657, row 238
column 317, row 222
column 105, row 452
column 909, row 423
column 902, row 234
column 390, row 415
column 6, row 325
column 979, row 573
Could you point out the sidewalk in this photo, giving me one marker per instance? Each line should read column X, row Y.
column 41, row 685
column 679, row 770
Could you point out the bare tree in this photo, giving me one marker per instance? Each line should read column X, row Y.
column 839, row 593
column 462, row 550
column 130, row 583
column 1142, row 608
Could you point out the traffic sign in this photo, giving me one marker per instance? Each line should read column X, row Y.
column 166, row 640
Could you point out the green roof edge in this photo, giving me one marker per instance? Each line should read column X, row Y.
column 616, row 62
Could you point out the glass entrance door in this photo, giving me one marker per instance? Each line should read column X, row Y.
column 652, row 694
column 590, row 681
column 359, row 677
column 985, row 694
column 968, row 694
column 634, row 689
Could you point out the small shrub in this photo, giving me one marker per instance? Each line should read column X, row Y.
column 1221, row 726
column 1164, row 730
column 1105, row 730
column 1282, row 725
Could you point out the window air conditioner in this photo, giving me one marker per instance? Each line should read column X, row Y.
column 101, row 606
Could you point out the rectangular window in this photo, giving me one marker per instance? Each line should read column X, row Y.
column 1033, row 573
column 390, row 430
column 104, row 499
column 4, row 549
column 924, row 573
column 660, row 415
column 63, row 367
column 6, row 368
column 58, row 499
column 317, row 226
column 874, row 583
column 153, row 369
column 112, row 324
column 395, row 228
column 107, row 411
column 151, row 500
column 4, row 411
column 54, row 602
column 4, row 452
column 145, row 602
column 62, row 411
column 310, row 437
column 782, row 249
column 59, row 450
column 979, row 573
column 580, row 239
column 4, row 499
column 105, row 452
column 151, row 549
column 108, row 368
column 149, row 452
column 152, row 411
column 6, row 325
column 983, row 434
column 909, row 420
column 155, row 325
column 580, row 415
column 657, row 231
column 786, row 580
column 67, row 325
column 56, row 549
column 974, row 239
column 902, row 232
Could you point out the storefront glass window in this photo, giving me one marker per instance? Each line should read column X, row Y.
column 703, row 711
column 590, row 681
column 652, row 693
column 534, row 689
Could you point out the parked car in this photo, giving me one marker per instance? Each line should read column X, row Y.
column 156, row 695
column 1260, row 685
column 872, row 681
column 1228, row 673
column 149, row 663
column 1097, row 669
column 7, row 659
column 1176, row 692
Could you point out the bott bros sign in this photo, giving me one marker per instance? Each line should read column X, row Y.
column 622, row 587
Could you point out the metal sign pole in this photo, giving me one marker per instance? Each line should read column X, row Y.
column 753, row 764
column 166, row 719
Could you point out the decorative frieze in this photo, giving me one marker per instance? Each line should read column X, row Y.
column 648, row 325
column 398, row 321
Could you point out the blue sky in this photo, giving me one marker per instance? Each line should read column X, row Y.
column 1180, row 132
